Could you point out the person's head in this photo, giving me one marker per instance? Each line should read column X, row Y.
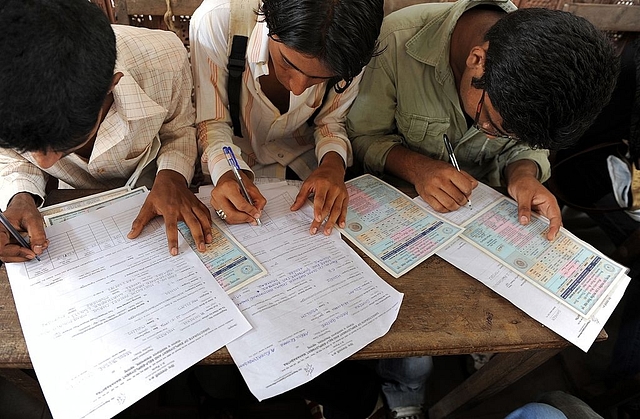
column 58, row 58
column 312, row 41
column 546, row 76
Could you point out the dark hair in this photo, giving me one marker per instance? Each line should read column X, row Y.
column 549, row 74
column 343, row 34
column 58, row 58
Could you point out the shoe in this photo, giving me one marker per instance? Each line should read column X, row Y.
column 407, row 412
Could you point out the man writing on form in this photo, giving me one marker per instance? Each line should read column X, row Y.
column 93, row 106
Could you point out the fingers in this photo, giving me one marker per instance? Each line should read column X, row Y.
column 226, row 196
column 329, row 206
column 554, row 227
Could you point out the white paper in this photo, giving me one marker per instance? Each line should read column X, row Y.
column 107, row 319
column 537, row 303
column 319, row 304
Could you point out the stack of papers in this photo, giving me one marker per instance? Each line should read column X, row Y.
column 566, row 284
column 107, row 319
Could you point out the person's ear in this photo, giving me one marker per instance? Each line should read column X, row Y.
column 476, row 59
column 114, row 81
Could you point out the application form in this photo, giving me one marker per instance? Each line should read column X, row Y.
column 391, row 228
column 521, row 291
column 108, row 320
column 319, row 304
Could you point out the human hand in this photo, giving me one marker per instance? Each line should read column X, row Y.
column 442, row 186
column 23, row 214
column 330, row 198
column 171, row 198
column 530, row 194
column 228, row 197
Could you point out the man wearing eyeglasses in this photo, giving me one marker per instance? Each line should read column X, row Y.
column 504, row 85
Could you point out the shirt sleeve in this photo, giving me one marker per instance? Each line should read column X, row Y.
column 371, row 120
column 330, row 125
column 17, row 174
column 178, row 150
column 208, row 41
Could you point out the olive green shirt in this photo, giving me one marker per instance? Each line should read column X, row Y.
column 408, row 97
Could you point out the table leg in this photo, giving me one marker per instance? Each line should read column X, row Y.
column 23, row 381
column 501, row 371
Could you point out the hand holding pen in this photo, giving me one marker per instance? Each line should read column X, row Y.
column 452, row 159
column 235, row 168
column 16, row 235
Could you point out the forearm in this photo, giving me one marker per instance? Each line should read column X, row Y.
column 520, row 169
column 406, row 164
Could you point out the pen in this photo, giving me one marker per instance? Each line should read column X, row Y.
column 14, row 232
column 452, row 158
column 235, row 168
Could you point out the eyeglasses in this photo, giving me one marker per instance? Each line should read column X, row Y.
column 488, row 132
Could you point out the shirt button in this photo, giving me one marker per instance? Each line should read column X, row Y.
column 281, row 155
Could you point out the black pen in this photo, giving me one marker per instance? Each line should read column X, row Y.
column 452, row 158
column 14, row 232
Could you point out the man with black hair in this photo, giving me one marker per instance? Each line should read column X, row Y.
column 95, row 107
column 504, row 85
column 303, row 64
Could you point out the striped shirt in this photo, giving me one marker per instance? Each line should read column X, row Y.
column 269, row 137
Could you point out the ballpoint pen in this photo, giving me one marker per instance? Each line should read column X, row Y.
column 14, row 232
column 235, row 168
column 452, row 158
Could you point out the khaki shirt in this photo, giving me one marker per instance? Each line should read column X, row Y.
column 408, row 97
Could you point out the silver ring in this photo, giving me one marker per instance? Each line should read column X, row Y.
column 221, row 214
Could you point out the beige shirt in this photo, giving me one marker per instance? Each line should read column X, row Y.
column 150, row 121
column 268, row 136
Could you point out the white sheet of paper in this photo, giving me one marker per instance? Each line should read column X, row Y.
column 107, row 319
column 319, row 304
column 529, row 298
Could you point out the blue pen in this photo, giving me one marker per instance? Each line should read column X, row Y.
column 235, row 168
column 452, row 158
column 14, row 232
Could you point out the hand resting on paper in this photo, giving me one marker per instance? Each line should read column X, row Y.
column 23, row 214
column 330, row 196
column 531, row 195
column 171, row 198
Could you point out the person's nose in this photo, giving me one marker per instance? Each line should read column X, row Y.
column 299, row 83
column 46, row 160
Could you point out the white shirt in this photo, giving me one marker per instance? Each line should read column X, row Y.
column 152, row 110
column 268, row 136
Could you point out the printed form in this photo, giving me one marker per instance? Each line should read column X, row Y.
column 391, row 228
column 108, row 320
column 509, row 282
column 319, row 304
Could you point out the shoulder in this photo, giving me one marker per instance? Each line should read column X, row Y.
column 148, row 48
column 211, row 14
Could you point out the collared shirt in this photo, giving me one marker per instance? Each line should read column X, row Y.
column 152, row 114
column 408, row 97
column 268, row 136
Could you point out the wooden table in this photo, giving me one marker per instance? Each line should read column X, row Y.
column 444, row 312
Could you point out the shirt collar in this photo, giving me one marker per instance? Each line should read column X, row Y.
column 432, row 46
column 131, row 102
column 258, row 50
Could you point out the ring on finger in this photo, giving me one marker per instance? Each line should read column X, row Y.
column 221, row 214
